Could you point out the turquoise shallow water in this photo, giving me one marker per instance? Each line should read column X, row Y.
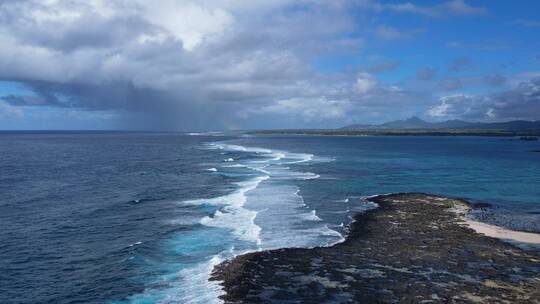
column 143, row 218
column 504, row 172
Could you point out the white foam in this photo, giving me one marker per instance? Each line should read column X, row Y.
column 233, row 215
column 270, row 215
column 309, row 175
column 260, row 169
column 322, row 159
column 284, row 221
column 234, row 166
column 284, row 224
column 183, row 221
column 311, row 216
column 278, row 155
column 205, row 133
column 135, row 244
column 367, row 197
column 332, row 232
column 240, row 220
column 236, row 198
column 299, row 158
column 195, row 284
column 238, row 148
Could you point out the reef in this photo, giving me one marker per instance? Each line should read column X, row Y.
column 413, row 248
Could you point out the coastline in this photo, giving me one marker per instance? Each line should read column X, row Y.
column 400, row 132
column 503, row 233
column 519, row 238
column 414, row 247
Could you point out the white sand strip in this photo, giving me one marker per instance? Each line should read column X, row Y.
column 502, row 233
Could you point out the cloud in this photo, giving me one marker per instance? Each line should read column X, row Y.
column 23, row 100
column 520, row 102
column 340, row 102
column 309, row 108
column 198, row 64
column 495, row 80
column 384, row 66
column 452, row 106
column 189, row 64
column 392, row 33
column 488, row 45
column 9, row 111
column 527, row 22
column 459, row 7
column 426, row 73
column 451, row 84
column 454, row 7
column 364, row 83
column 460, row 63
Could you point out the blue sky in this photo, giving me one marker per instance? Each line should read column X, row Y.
column 215, row 65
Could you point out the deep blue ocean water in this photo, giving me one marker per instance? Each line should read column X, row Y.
column 143, row 218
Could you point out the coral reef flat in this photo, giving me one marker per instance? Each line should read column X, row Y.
column 413, row 248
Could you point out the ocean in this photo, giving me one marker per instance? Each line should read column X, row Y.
column 90, row 217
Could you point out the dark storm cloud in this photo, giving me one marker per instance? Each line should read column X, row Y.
column 185, row 65
column 142, row 108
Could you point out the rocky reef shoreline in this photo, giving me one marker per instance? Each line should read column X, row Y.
column 414, row 248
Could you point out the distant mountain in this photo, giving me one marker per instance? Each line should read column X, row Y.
column 417, row 123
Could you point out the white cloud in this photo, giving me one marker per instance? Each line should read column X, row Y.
column 491, row 113
column 451, row 106
column 364, row 83
column 187, row 21
column 309, row 108
column 520, row 102
column 454, row 7
column 392, row 33
column 459, row 7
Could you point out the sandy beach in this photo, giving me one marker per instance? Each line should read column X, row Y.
column 527, row 238
column 504, row 234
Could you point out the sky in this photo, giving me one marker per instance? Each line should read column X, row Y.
column 208, row 65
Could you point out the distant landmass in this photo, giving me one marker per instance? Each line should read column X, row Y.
column 419, row 124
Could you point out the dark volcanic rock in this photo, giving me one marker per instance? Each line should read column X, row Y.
column 413, row 249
